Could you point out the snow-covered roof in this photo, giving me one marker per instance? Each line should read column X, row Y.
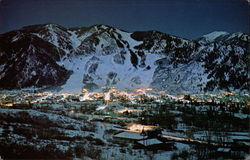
column 223, row 149
column 149, row 142
column 129, row 135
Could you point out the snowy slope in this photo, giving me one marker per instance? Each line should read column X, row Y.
column 107, row 72
column 75, row 64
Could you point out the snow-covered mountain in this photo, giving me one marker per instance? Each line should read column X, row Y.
column 99, row 55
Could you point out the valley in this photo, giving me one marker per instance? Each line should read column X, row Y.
column 123, row 124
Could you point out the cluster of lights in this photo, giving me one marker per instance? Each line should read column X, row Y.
column 139, row 128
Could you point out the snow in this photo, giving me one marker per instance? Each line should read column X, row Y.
column 107, row 96
column 60, row 120
column 182, row 146
column 125, row 72
column 239, row 137
column 85, row 97
column 223, row 149
column 101, row 107
column 75, row 41
column 17, row 137
column 241, row 115
column 129, row 135
column 212, row 36
column 74, row 133
column 62, row 147
column 149, row 142
column 33, row 73
column 86, row 34
column 235, row 35
column 38, row 35
column 15, row 38
column 76, row 64
column 240, row 133
column 53, row 37
column 1, row 131
column 178, row 80
column 2, row 66
column 127, row 37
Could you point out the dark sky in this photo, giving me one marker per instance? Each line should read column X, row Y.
column 184, row 18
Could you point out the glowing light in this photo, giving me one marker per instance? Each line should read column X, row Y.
column 9, row 104
column 84, row 90
column 139, row 128
column 85, row 97
column 143, row 90
column 128, row 110
column 107, row 96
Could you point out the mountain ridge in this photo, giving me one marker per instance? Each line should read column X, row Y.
column 147, row 58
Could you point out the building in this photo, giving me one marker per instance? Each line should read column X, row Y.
column 154, row 144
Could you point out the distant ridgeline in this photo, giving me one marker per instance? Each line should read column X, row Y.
column 99, row 55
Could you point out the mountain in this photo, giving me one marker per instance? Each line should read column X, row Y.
column 27, row 60
column 99, row 55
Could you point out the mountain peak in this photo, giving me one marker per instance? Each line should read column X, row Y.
column 210, row 37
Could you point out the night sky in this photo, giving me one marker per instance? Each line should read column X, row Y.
column 185, row 18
